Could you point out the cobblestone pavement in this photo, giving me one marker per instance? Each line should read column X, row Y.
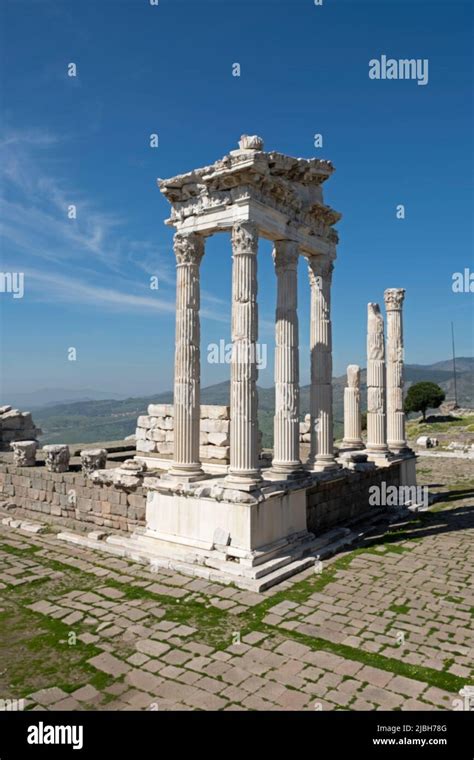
column 385, row 626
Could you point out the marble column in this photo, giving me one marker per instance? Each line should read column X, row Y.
column 352, row 419
column 322, row 446
column 244, row 446
column 376, row 419
column 396, row 439
column 189, row 250
column 286, row 459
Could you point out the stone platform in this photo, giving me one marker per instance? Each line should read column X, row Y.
column 253, row 539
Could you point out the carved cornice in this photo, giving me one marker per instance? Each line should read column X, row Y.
column 394, row 298
column 189, row 249
column 292, row 186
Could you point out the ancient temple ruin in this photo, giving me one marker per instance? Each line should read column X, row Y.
column 249, row 518
column 200, row 496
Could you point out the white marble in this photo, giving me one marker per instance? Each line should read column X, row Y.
column 322, row 436
column 396, row 437
column 244, row 449
column 286, row 459
column 376, row 413
column 189, row 250
column 352, row 417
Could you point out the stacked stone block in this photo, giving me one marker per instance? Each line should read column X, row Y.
column 340, row 500
column 16, row 426
column 155, row 432
column 305, row 429
column 71, row 497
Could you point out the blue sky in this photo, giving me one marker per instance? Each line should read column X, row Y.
column 167, row 69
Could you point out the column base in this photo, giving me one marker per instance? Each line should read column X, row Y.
column 285, row 471
column 323, row 464
column 244, row 481
column 379, row 456
column 185, row 473
column 399, row 447
column 352, row 445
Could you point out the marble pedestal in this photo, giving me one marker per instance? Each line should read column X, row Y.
column 257, row 540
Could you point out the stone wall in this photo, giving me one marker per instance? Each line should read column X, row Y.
column 155, row 432
column 70, row 496
column 16, row 426
column 337, row 501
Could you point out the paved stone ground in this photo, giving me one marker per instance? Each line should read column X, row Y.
column 386, row 626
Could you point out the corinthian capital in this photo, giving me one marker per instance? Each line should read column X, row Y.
column 285, row 254
column 189, row 249
column 244, row 238
column 394, row 298
column 319, row 270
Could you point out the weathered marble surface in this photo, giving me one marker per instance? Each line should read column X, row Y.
column 376, row 415
column 396, row 438
column 57, row 457
column 352, row 415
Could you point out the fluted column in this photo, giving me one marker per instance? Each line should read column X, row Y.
column 243, row 470
column 396, row 439
column 352, row 419
column 376, row 420
column 286, row 459
column 322, row 446
column 189, row 250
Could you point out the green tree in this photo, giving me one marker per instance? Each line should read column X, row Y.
column 423, row 396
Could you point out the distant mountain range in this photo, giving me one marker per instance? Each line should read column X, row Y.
column 104, row 418
column 55, row 396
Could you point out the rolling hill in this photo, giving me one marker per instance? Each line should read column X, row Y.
column 88, row 421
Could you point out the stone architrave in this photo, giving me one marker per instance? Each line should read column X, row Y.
column 352, row 417
column 189, row 250
column 396, row 438
column 322, row 437
column 244, row 445
column 286, row 459
column 376, row 419
column 57, row 457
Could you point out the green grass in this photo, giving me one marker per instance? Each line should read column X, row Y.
column 399, row 609
column 38, row 658
column 440, row 679
column 423, row 428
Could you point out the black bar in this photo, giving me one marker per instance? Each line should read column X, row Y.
column 137, row 734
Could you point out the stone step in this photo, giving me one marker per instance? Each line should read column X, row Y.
column 277, row 576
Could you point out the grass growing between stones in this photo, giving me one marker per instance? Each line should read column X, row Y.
column 215, row 626
column 303, row 590
column 35, row 654
column 432, row 677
